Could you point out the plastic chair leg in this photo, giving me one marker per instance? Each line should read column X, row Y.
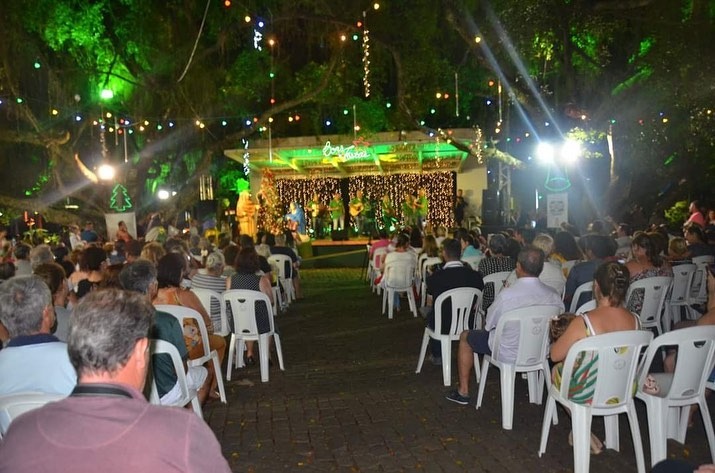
column 263, row 351
column 196, row 405
column 507, row 396
column 411, row 300
column 423, row 351
column 483, row 380
column 546, row 423
column 219, row 378
column 477, row 370
column 279, row 350
column 231, row 350
column 581, row 428
column 446, row 345
column 636, row 434
column 390, row 302
column 657, row 414
column 533, row 380
column 613, row 439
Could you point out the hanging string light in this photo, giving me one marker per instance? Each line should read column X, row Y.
column 246, row 157
column 365, row 55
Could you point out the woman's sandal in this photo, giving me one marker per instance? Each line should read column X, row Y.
column 596, row 444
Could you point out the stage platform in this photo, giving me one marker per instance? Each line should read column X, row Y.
column 326, row 253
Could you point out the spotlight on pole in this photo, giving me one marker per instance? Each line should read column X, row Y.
column 163, row 194
column 570, row 151
column 105, row 172
column 545, row 153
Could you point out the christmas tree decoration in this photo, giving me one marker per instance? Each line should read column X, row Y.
column 120, row 200
column 270, row 214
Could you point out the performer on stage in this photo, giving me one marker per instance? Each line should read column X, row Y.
column 460, row 205
column 389, row 219
column 246, row 213
column 421, row 208
column 408, row 210
column 357, row 207
column 317, row 211
column 296, row 218
column 337, row 212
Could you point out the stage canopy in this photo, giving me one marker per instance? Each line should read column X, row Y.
column 379, row 154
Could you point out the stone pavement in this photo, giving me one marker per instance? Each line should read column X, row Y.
column 349, row 400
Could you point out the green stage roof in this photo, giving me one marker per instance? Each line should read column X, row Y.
column 342, row 156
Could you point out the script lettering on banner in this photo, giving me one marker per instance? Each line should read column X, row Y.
column 344, row 153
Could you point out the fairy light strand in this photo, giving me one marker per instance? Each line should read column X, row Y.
column 365, row 55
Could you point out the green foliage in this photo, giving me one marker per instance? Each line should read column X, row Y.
column 39, row 236
column 677, row 214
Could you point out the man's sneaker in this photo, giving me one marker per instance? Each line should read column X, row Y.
column 454, row 396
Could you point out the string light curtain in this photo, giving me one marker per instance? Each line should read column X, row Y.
column 301, row 190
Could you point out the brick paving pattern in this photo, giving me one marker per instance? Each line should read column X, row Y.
column 350, row 401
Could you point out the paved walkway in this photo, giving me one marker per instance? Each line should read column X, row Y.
column 350, row 401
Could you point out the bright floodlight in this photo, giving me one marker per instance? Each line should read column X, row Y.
column 105, row 172
column 163, row 194
column 545, row 153
column 106, row 94
column 570, row 151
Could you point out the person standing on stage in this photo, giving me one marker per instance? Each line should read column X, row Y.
column 315, row 208
column 389, row 219
column 421, row 208
column 408, row 210
column 460, row 205
column 296, row 218
column 337, row 212
column 357, row 208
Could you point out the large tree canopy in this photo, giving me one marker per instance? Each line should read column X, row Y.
column 190, row 79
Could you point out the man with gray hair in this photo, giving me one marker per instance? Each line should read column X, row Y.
column 140, row 276
column 41, row 254
column 106, row 424
column 33, row 360
column 527, row 291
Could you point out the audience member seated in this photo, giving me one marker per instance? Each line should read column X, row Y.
column 496, row 261
column 597, row 249
column 280, row 248
column 248, row 277
column 696, row 242
column 525, row 292
column 211, row 278
column 610, row 287
column 566, row 249
column 169, row 275
column 140, row 277
column 54, row 276
column 451, row 275
column 152, row 252
column 32, row 360
column 7, row 271
column 430, row 247
column 467, row 243
column 106, row 424
column 646, row 263
column 22, row 259
column 551, row 275
column 678, row 251
column 41, row 254
column 91, row 264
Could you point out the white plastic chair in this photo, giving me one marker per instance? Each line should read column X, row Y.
column 242, row 304
column 182, row 313
column 655, row 289
column 206, row 296
column 497, row 281
column 463, row 300
column 375, row 266
column 473, row 261
column 12, row 405
column 682, row 281
column 668, row 410
column 615, row 365
column 426, row 263
column 531, row 358
column 586, row 307
column 585, row 287
column 398, row 278
column 698, row 292
column 159, row 347
column 285, row 275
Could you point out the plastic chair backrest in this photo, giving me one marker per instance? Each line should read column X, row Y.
column 426, row 263
column 615, row 359
column 206, row 296
column 533, row 327
column 463, row 300
column 497, row 280
column 703, row 260
column 585, row 287
column 182, row 313
column 159, row 347
column 696, row 352
column 656, row 288
column 242, row 303
column 377, row 256
column 399, row 274
column 13, row 405
column 588, row 306
column 473, row 261
column 284, row 263
column 682, row 280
